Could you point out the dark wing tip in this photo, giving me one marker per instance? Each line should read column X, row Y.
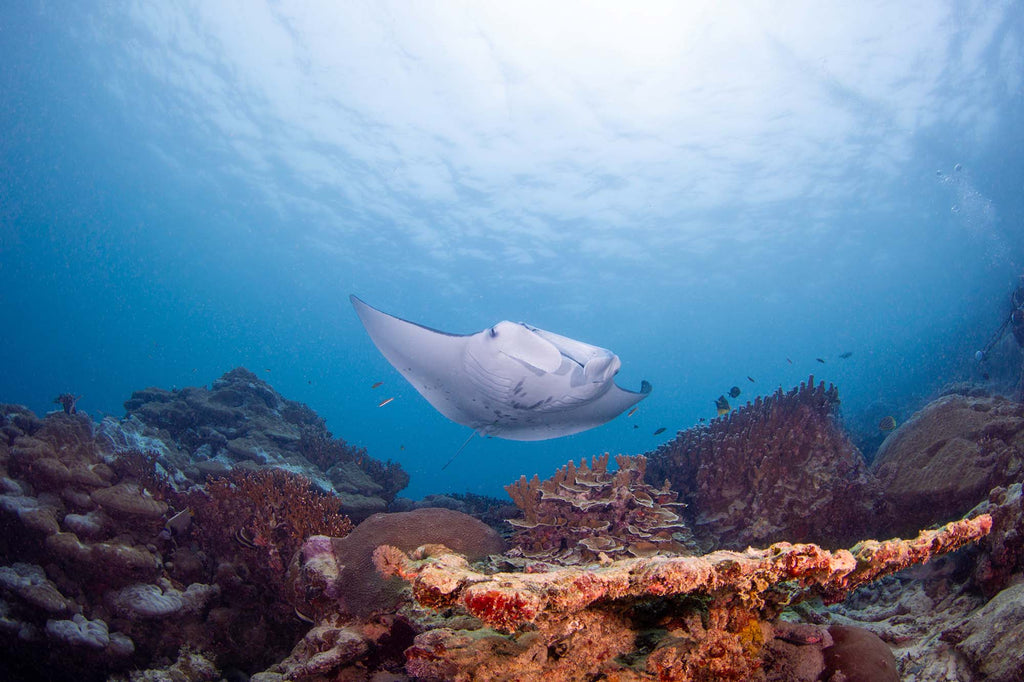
column 645, row 387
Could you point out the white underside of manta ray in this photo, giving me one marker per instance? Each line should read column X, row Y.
column 511, row 380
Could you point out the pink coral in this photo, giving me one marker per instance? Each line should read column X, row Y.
column 705, row 618
column 779, row 468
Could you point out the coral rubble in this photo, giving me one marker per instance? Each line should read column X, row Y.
column 586, row 513
column 779, row 468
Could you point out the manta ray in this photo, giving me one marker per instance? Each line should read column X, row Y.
column 511, row 380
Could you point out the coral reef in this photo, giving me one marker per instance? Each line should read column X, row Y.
column 572, row 622
column 956, row 618
column 981, row 439
column 105, row 563
column 184, row 543
column 779, row 468
column 242, row 420
column 584, row 514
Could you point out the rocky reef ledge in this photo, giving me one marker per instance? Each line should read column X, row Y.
column 706, row 617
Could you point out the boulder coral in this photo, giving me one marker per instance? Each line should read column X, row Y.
column 979, row 438
column 779, row 468
column 337, row 574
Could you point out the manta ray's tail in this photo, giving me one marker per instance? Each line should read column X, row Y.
column 461, row 448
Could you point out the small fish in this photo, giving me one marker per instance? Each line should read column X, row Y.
column 178, row 524
column 632, row 412
column 384, row 402
column 660, row 429
column 242, row 538
column 267, row 369
column 734, row 392
column 636, row 426
column 310, row 382
column 303, row 617
column 789, row 361
column 722, row 405
column 887, row 424
column 751, row 379
column 846, row 355
column 702, row 419
column 401, row 447
column 820, row 360
column 377, row 384
column 985, row 376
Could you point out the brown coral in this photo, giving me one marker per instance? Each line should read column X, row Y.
column 270, row 512
column 586, row 513
column 948, row 456
column 779, row 468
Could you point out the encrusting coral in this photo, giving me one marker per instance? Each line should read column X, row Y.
column 586, row 513
column 553, row 611
column 779, row 468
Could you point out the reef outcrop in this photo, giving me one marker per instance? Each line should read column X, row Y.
column 111, row 556
column 707, row 617
column 242, row 421
column 779, row 468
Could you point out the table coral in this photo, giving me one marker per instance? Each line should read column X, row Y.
column 585, row 512
column 744, row 589
column 779, row 468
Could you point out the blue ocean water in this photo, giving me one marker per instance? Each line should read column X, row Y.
column 712, row 191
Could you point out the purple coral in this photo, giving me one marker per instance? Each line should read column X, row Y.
column 777, row 469
column 587, row 513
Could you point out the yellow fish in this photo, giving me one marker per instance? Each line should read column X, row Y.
column 384, row 402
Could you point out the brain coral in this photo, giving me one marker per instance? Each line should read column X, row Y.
column 359, row 588
column 780, row 468
column 584, row 512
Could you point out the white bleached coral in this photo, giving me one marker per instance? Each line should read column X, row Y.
column 29, row 583
column 79, row 631
column 147, row 600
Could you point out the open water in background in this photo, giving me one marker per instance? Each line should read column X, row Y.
column 712, row 191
